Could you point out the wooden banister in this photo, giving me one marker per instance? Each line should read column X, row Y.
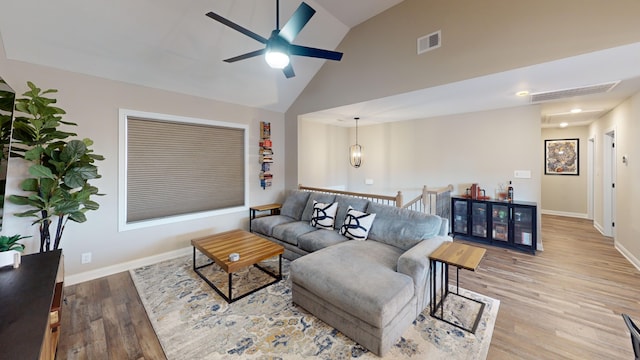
column 390, row 200
column 430, row 201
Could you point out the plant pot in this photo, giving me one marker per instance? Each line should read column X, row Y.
column 11, row 257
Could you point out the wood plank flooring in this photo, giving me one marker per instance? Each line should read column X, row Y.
column 563, row 303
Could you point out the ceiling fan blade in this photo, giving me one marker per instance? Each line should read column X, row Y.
column 314, row 52
column 245, row 56
column 288, row 71
column 237, row 27
column 298, row 20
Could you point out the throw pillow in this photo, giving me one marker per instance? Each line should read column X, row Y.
column 357, row 224
column 324, row 215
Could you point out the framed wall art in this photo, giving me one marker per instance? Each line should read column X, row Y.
column 561, row 157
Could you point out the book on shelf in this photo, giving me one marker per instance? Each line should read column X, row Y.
column 266, row 159
column 265, row 183
column 265, row 130
column 265, row 143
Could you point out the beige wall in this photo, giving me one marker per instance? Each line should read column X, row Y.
column 478, row 38
column 483, row 147
column 628, row 183
column 323, row 153
column 93, row 104
column 624, row 120
column 566, row 194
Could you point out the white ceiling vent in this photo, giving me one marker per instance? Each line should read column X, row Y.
column 568, row 93
column 429, row 42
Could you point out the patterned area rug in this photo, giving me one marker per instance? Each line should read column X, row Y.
column 193, row 322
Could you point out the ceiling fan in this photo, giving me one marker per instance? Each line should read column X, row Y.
column 278, row 47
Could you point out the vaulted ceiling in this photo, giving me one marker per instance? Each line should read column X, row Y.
column 172, row 45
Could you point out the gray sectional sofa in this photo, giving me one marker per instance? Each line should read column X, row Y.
column 369, row 290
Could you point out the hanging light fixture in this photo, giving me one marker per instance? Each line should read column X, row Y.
column 355, row 151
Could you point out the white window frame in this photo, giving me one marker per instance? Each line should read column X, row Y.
column 123, row 225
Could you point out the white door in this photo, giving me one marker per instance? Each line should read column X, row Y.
column 609, row 186
column 590, row 176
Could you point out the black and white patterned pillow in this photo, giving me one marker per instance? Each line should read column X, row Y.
column 324, row 215
column 357, row 224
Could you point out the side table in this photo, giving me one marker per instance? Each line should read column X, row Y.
column 461, row 256
column 274, row 209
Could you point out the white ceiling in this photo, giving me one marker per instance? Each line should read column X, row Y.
column 172, row 45
column 498, row 91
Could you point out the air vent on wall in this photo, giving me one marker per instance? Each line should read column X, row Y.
column 568, row 93
column 429, row 42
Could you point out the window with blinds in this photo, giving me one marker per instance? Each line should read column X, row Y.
column 178, row 167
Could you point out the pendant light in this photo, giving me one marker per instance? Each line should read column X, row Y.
column 355, row 151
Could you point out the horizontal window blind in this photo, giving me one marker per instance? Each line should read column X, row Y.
column 176, row 168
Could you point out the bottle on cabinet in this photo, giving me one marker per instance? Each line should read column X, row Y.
column 510, row 192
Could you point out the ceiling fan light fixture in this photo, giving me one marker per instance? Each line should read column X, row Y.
column 277, row 54
column 278, row 48
column 276, row 59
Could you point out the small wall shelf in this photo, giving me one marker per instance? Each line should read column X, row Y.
column 266, row 155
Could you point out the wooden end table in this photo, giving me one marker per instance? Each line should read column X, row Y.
column 274, row 209
column 461, row 256
column 252, row 250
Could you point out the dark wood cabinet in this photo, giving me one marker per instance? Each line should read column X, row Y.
column 30, row 301
column 500, row 223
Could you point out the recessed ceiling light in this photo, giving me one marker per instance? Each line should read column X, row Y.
column 576, row 110
column 522, row 93
column 564, row 124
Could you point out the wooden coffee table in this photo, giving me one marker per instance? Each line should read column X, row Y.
column 461, row 256
column 252, row 250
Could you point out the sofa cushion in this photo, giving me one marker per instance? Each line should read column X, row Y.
column 289, row 232
column 324, row 215
column 357, row 224
column 343, row 204
column 294, row 204
column 319, row 197
column 400, row 227
column 316, row 240
column 265, row 224
column 359, row 277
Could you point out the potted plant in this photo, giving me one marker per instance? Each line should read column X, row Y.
column 58, row 187
column 9, row 247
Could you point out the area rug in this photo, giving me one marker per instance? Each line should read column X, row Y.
column 193, row 322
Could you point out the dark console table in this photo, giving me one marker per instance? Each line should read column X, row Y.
column 501, row 223
column 29, row 315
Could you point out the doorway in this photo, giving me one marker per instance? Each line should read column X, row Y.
column 591, row 149
column 609, row 184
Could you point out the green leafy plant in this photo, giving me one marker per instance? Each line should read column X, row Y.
column 11, row 242
column 58, row 185
column 6, row 111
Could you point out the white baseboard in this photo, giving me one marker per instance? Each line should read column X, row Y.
column 125, row 266
column 632, row 259
column 599, row 228
column 564, row 213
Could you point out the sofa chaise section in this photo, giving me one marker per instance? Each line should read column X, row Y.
column 372, row 290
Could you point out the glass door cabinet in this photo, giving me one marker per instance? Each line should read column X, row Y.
column 500, row 223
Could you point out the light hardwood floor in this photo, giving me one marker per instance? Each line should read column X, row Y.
column 563, row 303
